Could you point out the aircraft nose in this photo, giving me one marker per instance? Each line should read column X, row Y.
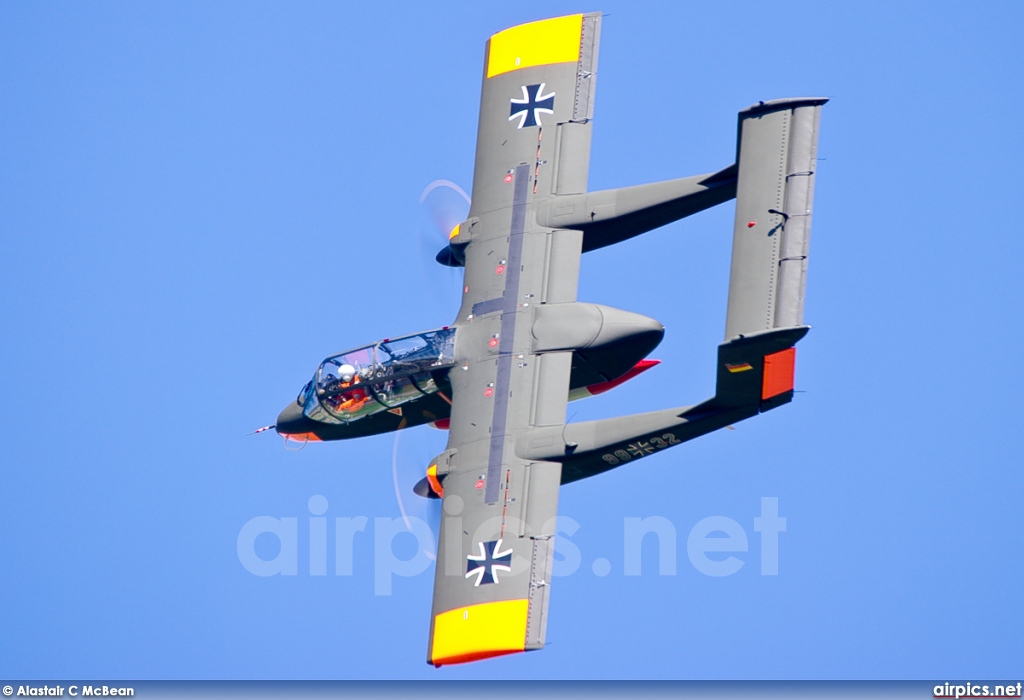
column 291, row 420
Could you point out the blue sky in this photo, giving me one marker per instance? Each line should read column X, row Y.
column 199, row 201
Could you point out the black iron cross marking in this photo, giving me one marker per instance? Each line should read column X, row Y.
column 486, row 565
column 529, row 108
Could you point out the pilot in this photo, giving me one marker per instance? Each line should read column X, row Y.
column 353, row 399
column 347, row 374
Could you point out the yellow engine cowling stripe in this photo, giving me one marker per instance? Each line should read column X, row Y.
column 435, row 483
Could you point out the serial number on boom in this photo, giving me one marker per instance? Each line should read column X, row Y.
column 636, row 450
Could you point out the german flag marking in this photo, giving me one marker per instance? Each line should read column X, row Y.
column 738, row 368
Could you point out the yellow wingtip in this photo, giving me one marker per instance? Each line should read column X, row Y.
column 479, row 631
column 547, row 41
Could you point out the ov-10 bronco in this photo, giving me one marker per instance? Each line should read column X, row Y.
column 522, row 345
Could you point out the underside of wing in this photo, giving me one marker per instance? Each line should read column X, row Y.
column 536, row 108
column 499, row 509
column 493, row 564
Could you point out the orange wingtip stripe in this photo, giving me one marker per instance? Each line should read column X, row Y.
column 779, row 369
column 479, row 632
column 542, row 43
column 739, row 368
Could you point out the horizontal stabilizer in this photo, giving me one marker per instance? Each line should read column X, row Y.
column 777, row 158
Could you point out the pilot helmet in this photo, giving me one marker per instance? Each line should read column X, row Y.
column 346, row 373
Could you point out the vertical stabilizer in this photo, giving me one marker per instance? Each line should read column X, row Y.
column 777, row 151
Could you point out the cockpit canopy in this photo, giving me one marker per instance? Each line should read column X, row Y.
column 381, row 377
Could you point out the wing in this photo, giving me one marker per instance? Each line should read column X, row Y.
column 498, row 517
